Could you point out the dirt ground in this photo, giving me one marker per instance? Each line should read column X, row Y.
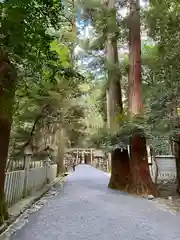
column 168, row 196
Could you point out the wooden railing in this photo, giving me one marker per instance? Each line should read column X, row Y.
column 15, row 187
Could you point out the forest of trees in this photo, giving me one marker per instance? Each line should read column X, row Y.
column 111, row 89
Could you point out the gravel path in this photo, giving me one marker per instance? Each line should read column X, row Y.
column 85, row 209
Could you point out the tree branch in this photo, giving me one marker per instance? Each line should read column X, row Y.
column 35, row 123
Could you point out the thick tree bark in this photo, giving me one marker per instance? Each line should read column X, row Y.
column 5, row 126
column 142, row 183
column 7, row 92
column 120, row 174
column 114, row 95
column 119, row 160
column 134, row 79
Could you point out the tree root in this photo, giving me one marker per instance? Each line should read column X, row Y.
column 142, row 189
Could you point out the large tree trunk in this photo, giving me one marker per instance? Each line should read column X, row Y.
column 120, row 174
column 119, row 160
column 5, row 126
column 7, row 91
column 114, row 96
column 142, row 183
column 135, row 105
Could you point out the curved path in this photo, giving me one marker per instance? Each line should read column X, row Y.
column 85, row 209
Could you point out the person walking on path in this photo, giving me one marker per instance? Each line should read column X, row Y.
column 74, row 167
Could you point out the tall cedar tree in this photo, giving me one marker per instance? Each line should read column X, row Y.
column 141, row 180
column 119, row 160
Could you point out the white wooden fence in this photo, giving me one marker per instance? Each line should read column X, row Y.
column 166, row 168
column 36, row 179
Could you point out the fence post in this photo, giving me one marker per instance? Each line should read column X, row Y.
column 47, row 165
column 91, row 157
column 82, row 157
column 27, row 159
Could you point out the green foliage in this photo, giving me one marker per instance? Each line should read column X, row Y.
column 48, row 91
column 48, row 102
column 24, row 26
column 161, row 75
column 119, row 137
column 51, row 87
